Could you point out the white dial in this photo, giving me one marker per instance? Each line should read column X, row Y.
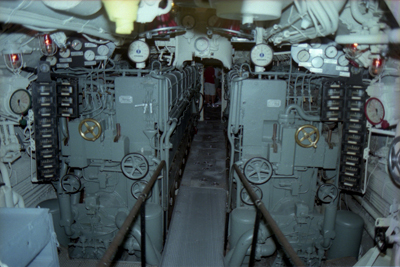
column 201, row 44
column 20, row 101
column 103, row 50
column 261, row 55
column 374, row 111
column 138, row 51
column 52, row 60
column 343, row 61
column 188, row 22
column 76, row 44
column 303, row 56
column 331, row 51
column 89, row 55
column 317, row 62
column 65, row 53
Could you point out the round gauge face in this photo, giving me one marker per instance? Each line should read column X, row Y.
column 374, row 111
column 76, row 45
column 201, row 44
column 65, row 53
column 188, row 22
column 138, row 51
column 20, row 101
column 212, row 21
column 343, row 61
column 89, row 55
column 331, row 51
column 303, row 56
column 52, row 60
column 317, row 62
column 261, row 55
column 103, row 50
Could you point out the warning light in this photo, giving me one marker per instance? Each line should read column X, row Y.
column 376, row 66
column 352, row 50
column 13, row 61
column 47, row 46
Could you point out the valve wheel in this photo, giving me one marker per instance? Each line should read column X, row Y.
column 394, row 161
column 162, row 31
column 137, row 189
column 307, row 135
column 327, row 193
column 245, row 197
column 71, row 183
column 90, row 129
column 258, row 170
column 134, row 166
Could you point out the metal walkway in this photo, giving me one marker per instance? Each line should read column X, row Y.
column 196, row 233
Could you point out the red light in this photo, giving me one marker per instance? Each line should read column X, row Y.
column 14, row 58
column 377, row 62
column 47, row 39
column 354, row 46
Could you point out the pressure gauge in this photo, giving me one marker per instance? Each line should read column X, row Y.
column 188, row 22
column 317, row 62
column 343, row 61
column 212, row 21
column 52, row 60
column 261, row 55
column 201, row 44
column 374, row 111
column 303, row 56
column 89, row 55
column 331, row 51
column 76, row 44
column 103, row 50
column 65, row 53
column 138, row 51
column 20, row 101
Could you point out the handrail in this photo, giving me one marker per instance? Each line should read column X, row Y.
column 270, row 221
column 112, row 249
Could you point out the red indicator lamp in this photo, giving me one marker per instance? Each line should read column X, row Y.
column 47, row 46
column 13, row 61
column 376, row 66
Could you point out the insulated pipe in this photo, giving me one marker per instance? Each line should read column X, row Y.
column 153, row 256
column 17, row 199
column 287, row 248
column 332, row 13
column 4, row 174
column 328, row 228
column 120, row 236
column 301, row 113
column 355, row 12
column 321, row 16
column 236, row 255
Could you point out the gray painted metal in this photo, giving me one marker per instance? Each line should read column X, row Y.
column 196, row 234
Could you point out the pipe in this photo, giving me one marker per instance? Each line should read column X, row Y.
column 236, row 255
column 355, row 12
column 287, row 248
column 328, row 228
column 301, row 113
column 17, row 199
column 153, row 256
column 120, row 236
column 4, row 174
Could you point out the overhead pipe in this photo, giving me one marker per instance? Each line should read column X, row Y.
column 281, row 238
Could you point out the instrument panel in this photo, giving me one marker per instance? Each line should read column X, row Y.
column 82, row 53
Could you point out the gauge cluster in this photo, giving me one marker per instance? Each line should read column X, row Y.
column 82, row 53
column 321, row 58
